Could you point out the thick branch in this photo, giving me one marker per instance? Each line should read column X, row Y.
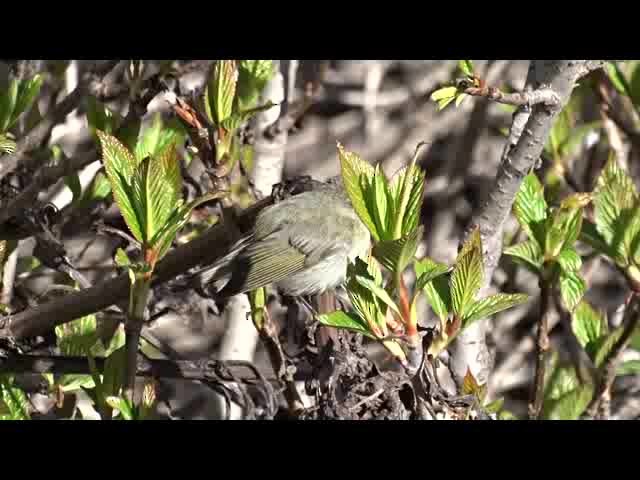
column 520, row 156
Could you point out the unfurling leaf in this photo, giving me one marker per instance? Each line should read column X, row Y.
column 221, row 90
column 572, row 288
column 356, row 173
column 530, row 208
column 444, row 93
column 467, row 275
column 588, row 325
column 120, row 165
column 395, row 255
column 14, row 400
column 340, row 319
column 28, row 90
column 491, row 305
column 406, row 191
column 528, row 253
column 7, row 105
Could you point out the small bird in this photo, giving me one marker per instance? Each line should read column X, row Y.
column 302, row 245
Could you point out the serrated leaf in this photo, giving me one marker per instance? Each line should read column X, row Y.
column 7, row 104
column 602, row 346
column 562, row 230
column 364, row 301
column 73, row 182
column 528, row 253
column 616, row 203
column 444, row 93
column 354, row 171
column 411, row 211
column 381, row 212
column 120, row 165
column 491, row 305
column 370, row 284
column 28, row 90
column 340, row 319
column 77, row 337
column 467, row 275
column 587, row 325
column 572, row 289
column 428, row 270
column 253, row 76
column 569, row 260
column 221, row 90
column 395, row 255
column 14, row 399
column 590, row 235
column 530, row 208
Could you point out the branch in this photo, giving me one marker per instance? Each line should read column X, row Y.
column 529, row 132
column 631, row 321
column 542, row 346
column 545, row 96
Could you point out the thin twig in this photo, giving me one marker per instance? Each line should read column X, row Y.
column 630, row 323
column 542, row 346
column 545, row 96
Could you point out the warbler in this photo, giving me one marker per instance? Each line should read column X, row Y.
column 302, row 245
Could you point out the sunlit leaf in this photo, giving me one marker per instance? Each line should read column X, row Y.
column 466, row 67
column 340, row 319
column 530, row 208
column 528, row 253
column 427, row 270
column 467, row 275
column 588, row 325
column 253, row 76
column 491, row 305
column 572, row 289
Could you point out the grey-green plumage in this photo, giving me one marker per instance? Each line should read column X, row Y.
column 302, row 244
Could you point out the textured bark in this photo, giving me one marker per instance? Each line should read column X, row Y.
column 526, row 141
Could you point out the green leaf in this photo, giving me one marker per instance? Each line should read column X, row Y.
column 460, row 98
column 340, row 319
column 236, row 119
column 530, row 208
column 121, row 258
column 575, row 138
column 7, row 145
column 28, row 90
column 158, row 137
column 444, row 102
column 253, row 76
column 411, row 211
column 363, row 299
column 444, row 93
column 466, row 67
column 395, row 255
column 370, row 284
column 73, row 182
column 630, row 367
column 603, row 346
column 157, row 187
column 590, row 235
column 528, row 253
column 14, row 399
column 99, row 117
column 466, row 278
column 569, row 406
column 569, row 260
column 491, row 305
column 572, row 289
column 428, row 270
column 122, row 405
column 439, row 296
column 635, row 340
column 617, row 77
column 563, row 228
column 77, row 337
column 120, row 166
column 354, row 172
column 495, row 406
column 588, row 325
column 221, row 90
column 7, row 105
column 616, row 204
column 559, row 132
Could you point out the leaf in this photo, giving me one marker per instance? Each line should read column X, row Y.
column 354, row 170
column 630, row 367
column 460, row 98
column 495, row 406
column 527, row 252
column 491, row 305
column 590, row 235
column 427, row 270
column 466, row 67
column 412, row 209
column 73, row 182
column 395, row 255
column 616, row 201
column 253, row 76
column 122, row 405
column 572, row 288
column 370, row 284
column 570, row 406
column 530, row 208
column 576, row 137
column 221, row 90
column 121, row 258
column 587, row 325
column 120, row 166
column 562, row 230
column 468, row 271
column 470, row 386
column 617, row 77
column 444, row 102
column 439, row 296
column 569, row 260
column 7, row 104
column 14, row 399
column 99, row 117
column 444, row 93
column 7, row 145
column 28, row 90
column 340, row 319
column 236, row 119
column 602, row 346
column 77, row 337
